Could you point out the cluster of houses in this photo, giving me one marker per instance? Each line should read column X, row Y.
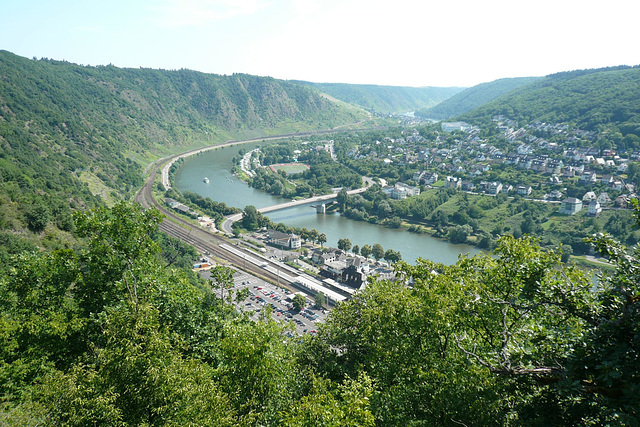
column 470, row 156
column 335, row 264
column 351, row 271
column 594, row 203
column 491, row 188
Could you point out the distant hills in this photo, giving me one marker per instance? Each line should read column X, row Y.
column 68, row 132
column 99, row 118
column 74, row 136
column 473, row 97
column 385, row 99
column 606, row 99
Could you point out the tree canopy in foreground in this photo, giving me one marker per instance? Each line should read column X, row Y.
column 111, row 333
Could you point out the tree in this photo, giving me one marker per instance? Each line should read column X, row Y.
column 384, row 210
column 299, row 302
column 633, row 172
column 325, row 405
column 459, row 233
column 322, row 239
column 250, row 218
column 38, row 216
column 527, row 226
column 313, row 235
column 365, row 251
column 392, row 256
column 383, row 332
column 485, row 327
column 320, row 300
column 567, row 251
column 344, row 244
column 355, row 249
column 377, row 251
column 604, row 365
column 120, row 251
column 342, row 199
column 223, row 277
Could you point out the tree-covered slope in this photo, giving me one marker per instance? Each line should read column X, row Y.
column 386, row 99
column 67, row 129
column 473, row 97
column 111, row 333
column 599, row 99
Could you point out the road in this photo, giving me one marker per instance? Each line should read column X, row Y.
column 229, row 220
column 204, row 241
column 212, row 244
column 172, row 159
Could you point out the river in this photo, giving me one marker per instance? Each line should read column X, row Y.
column 224, row 187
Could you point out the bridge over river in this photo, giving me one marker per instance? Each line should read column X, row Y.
column 229, row 220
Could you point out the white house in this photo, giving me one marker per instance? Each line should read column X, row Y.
column 453, row 126
column 594, row 208
column 402, row 191
column 523, row 190
column 571, row 206
column 588, row 177
column 494, row 188
column 453, row 182
column 291, row 241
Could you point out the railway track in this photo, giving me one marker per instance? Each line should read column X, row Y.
column 202, row 240
column 209, row 243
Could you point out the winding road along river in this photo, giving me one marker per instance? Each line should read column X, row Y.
column 224, row 187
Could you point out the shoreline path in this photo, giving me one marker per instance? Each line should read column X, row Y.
column 229, row 220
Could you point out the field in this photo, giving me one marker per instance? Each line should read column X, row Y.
column 289, row 168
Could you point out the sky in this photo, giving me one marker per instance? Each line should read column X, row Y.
column 390, row 42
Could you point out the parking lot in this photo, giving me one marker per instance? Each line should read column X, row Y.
column 264, row 296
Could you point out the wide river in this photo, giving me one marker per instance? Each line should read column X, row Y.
column 224, row 187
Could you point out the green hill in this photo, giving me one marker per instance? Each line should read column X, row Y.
column 473, row 97
column 71, row 133
column 385, row 99
column 606, row 100
column 114, row 329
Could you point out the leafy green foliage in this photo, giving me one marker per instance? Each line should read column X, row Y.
column 73, row 137
column 473, row 97
column 600, row 99
column 299, row 302
column 109, row 334
column 320, row 300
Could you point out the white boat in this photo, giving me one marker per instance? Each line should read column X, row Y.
column 206, row 180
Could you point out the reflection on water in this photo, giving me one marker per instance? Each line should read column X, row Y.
column 224, row 187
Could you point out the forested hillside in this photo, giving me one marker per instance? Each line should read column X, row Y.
column 102, row 321
column 473, row 97
column 112, row 334
column 386, row 99
column 69, row 131
column 603, row 100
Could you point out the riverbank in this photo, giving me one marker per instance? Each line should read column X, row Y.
column 227, row 188
column 474, row 219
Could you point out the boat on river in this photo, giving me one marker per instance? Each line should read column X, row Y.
column 206, row 180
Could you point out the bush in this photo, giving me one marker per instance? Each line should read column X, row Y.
column 459, row 233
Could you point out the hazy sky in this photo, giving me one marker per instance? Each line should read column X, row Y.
column 389, row 42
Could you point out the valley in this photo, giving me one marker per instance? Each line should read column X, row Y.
column 121, row 305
